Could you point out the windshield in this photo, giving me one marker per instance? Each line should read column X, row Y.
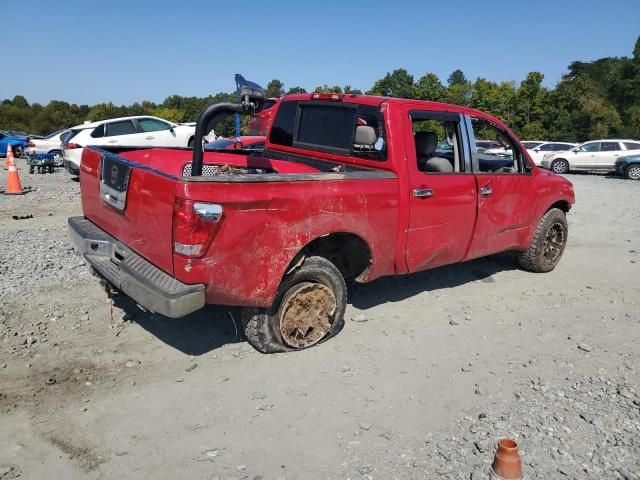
column 531, row 144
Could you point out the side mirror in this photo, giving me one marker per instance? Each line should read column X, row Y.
column 536, row 149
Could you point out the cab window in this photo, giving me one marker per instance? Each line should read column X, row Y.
column 507, row 159
column 437, row 141
column 590, row 147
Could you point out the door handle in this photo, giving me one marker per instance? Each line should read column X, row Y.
column 113, row 141
column 422, row 192
column 148, row 138
column 486, row 191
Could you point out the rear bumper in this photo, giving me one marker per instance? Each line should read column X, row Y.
column 151, row 287
column 71, row 167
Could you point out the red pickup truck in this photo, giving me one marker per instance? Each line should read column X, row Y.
column 347, row 188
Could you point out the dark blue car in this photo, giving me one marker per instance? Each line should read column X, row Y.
column 18, row 144
column 629, row 166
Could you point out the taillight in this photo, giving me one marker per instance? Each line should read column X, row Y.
column 71, row 146
column 194, row 226
column 31, row 144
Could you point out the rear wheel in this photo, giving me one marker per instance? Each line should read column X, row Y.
column 560, row 166
column 18, row 151
column 31, row 168
column 58, row 160
column 190, row 143
column 548, row 244
column 309, row 309
column 632, row 172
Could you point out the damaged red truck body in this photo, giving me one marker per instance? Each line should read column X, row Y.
column 348, row 188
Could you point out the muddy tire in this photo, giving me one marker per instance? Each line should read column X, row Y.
column 30, row 168
column 308, row 310
column 560, row 166
column 548, row 244
column 632, row 172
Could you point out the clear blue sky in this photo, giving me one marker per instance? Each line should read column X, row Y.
column 126, row 51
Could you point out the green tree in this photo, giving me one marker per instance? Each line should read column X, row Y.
column 395, row 84
column 275, row 89
column 294, row 90
column 429, row 87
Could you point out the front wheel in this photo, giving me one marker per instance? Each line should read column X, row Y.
column 58, row 159
column 309, row 308
column 18, row 151
column 632, row 172
column 560, row 166
column 548, row 244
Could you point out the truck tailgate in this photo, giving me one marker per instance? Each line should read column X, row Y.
column 131, row 202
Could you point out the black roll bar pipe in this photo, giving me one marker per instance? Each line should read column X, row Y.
column 208, row 119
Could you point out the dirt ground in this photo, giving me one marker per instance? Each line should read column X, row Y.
column 430, row 370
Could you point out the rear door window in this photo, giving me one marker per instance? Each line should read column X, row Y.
column 152, row 125
column 610, row 146
column 122, row 127
column 632, row 145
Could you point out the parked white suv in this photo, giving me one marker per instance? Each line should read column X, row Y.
column 52, row 144
column 595, row 156
column 140, row 131
column 538, row 152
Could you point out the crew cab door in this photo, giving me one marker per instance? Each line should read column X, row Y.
column 121, row 133
column 442, row 189
column 505, row 197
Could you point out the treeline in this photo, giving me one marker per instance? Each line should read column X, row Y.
column 599, row 99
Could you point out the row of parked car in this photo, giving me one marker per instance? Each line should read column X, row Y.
column 621, row 156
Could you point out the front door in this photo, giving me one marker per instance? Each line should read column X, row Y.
column 505, row 200
column 442, row 190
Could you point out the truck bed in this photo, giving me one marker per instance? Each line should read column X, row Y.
column 270, row 200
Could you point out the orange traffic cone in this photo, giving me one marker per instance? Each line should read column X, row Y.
column 507, row 464
column 14, row 187
column 9, row 161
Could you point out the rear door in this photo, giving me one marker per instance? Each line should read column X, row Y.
column 585, row 157
column 156, row 133
column 609, row 153
column 505, row 197
column 442, row 189
column 122, row 133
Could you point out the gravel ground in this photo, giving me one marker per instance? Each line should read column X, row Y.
column 430, row 371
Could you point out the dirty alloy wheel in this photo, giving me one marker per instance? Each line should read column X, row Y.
column 309, row 309
column 58, row 160
column 18, row 151
column 548, row 243
column 560, row 166
column 632, row 172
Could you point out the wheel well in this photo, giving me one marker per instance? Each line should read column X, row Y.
column 347, row 251
column 562, row 205
column 190, row 141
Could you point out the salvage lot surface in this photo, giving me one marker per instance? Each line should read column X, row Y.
column 429, row 371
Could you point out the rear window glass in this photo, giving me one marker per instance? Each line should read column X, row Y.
column 632, row 145
column 326, row 126
column 610, row 146
column 282, row 129
column 98, row 132
column 72, row 134
column 341, row 128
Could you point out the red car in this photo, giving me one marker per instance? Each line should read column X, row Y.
column 347, row 188
column 260, row 123
column 246, row 143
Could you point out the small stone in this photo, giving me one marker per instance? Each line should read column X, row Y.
column 365, row 426
column 241, row 467
column 387, row 435
column 30, row 340
column 359, row 317
column 131, row 364
column 453, row 322
column 213, row 453
column 191, row 367
column 585, row 348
